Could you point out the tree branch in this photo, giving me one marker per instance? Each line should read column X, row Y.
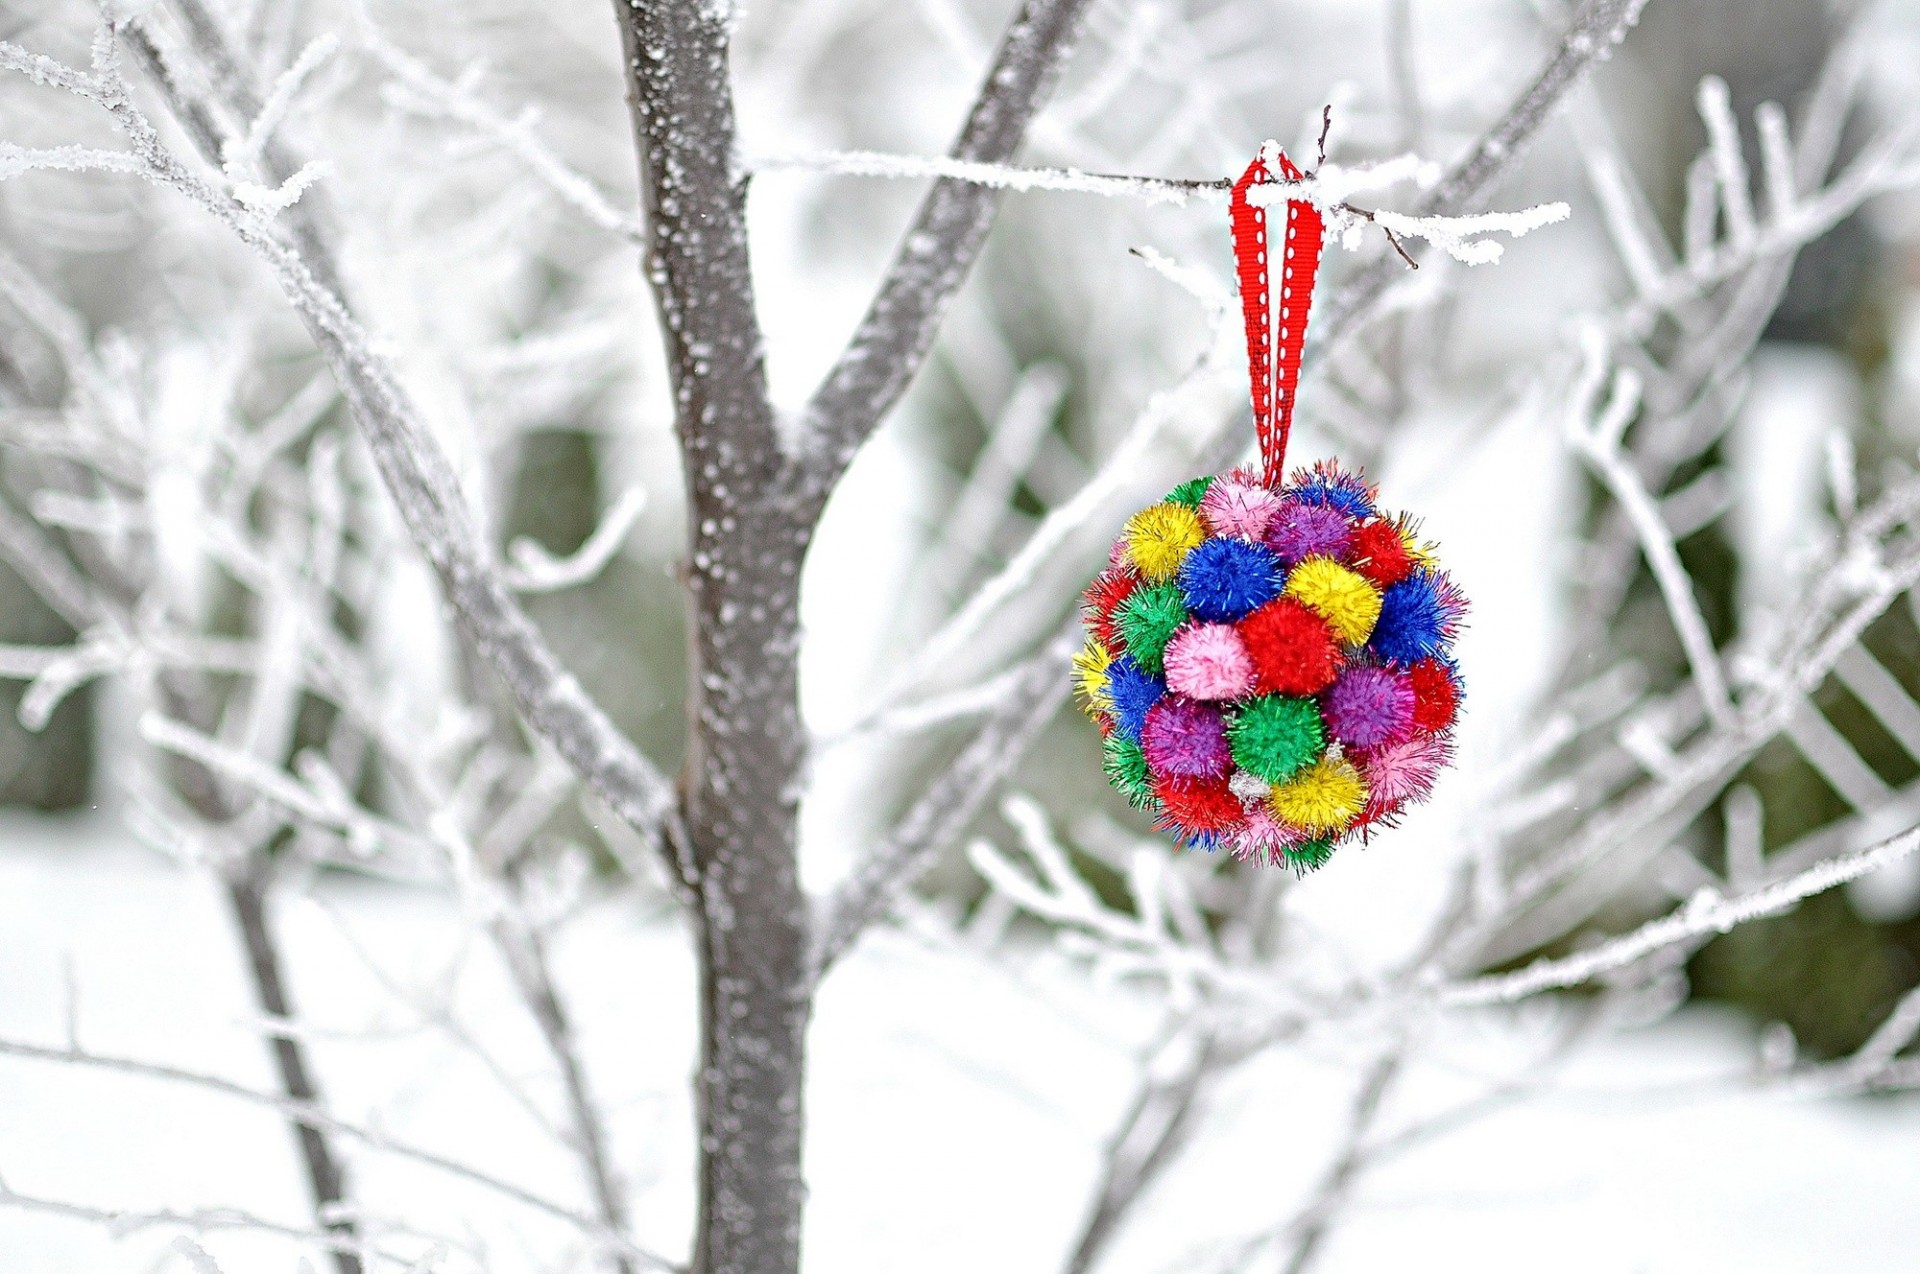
column 1595, row 30
column 936, row 255
column 524, row 949
column 416, row 471
column 949, row 803
column 1705, row 914
column 326, row 1179
column 1156, row 1125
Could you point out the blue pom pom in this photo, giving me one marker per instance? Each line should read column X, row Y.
column 1228, row 579
column 1335, row 488
column 1133, row 693
column 1417, row 617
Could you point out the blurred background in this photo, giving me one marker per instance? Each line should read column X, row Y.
column 1780, row 406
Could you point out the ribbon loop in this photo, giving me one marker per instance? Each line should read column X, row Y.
column 1273, row 365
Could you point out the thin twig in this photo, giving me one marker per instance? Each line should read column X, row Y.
column 935, row 256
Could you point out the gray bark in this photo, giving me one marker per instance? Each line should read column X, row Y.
column 741, row 781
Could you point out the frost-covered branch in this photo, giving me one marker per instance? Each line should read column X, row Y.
column 1704, row 914
column 997, row 176
column 121, row 1222
column 532, row 569
column 1591, row 36
column 935, row 256
column 418, row 473
column 416, row 88
column 17, row 160
column 1599, row 444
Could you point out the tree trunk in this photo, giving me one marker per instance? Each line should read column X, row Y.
column 740, row 786
column 742, row 779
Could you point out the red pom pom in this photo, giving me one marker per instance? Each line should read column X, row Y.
column 1196, row 807
column 1435, row 698
column 1294, row 650
column 1380, row 555
column 1102, row 599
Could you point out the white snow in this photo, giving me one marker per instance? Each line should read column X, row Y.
column 957, row 1106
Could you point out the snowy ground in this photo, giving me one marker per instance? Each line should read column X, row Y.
column 957, row 1108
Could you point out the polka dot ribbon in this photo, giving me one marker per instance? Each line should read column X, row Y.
column 1273, row 366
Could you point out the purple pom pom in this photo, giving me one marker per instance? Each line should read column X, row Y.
column 1186, row 739
column 1368, row 707
column 1300, row 531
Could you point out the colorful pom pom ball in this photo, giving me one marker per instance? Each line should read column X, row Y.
column 1271, row 670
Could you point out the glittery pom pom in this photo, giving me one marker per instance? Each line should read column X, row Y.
column 1263, row 838
column 1369, row 706
column 1223, row 580
column 1239, row 507
column 1147, row 619
column 1198, row 811
column 1337, row 595
column 1109, row 590
column 1379, row 554
column 1090, row 678
column 1324, row 798
column 1405, row 771
column 1300, row 531
column 1159, row 539
column 1186, row 739
column 1294, row 651
column 1271, row 671
column 1190, row 493
column 1418, row 617
column 1274, row 738
column 1436, row 695
column 1209, row 661
column 1132, row 691
column 1126, row 767
column 1308, row 856
column 1334, row 487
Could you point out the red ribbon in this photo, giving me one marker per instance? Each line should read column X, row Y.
column 1273, row 367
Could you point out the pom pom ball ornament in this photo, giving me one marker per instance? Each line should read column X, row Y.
column 1269, row 659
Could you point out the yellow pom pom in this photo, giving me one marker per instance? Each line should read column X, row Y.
column 1325, row 797
column 1159, row 539
column 1090, row 677
column 1345, row 600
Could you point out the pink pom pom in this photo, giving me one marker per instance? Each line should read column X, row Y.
column 1209, row 661
column 1404, row 771
column 1369, row 707
column 1263, row 836
column 1237, row 506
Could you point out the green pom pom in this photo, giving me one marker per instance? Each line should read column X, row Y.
column 1147, row 620
column 1190, row 493
column 1276, row 737
column 1309, row 857
column 1126, row 767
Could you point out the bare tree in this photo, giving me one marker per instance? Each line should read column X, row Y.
column 276, row 746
